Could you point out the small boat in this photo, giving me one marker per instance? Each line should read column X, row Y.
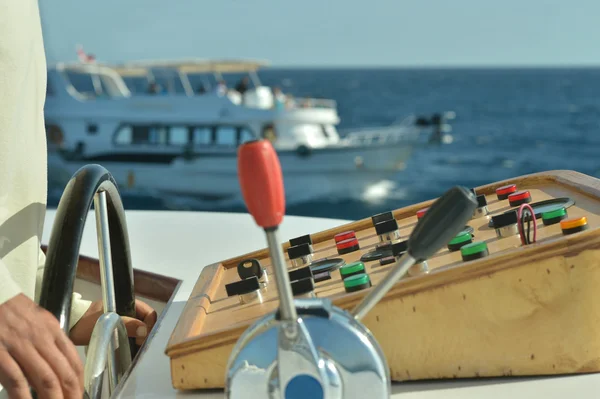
column 177, row 143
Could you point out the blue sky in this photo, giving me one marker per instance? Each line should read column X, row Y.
column 329, row 32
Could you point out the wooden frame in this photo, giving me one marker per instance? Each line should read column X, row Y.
column 146, row 284
column 523, row 310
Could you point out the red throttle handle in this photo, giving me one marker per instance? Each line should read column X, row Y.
column 261, row 181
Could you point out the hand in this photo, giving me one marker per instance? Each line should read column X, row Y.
column 136, row 327
column 35, row 351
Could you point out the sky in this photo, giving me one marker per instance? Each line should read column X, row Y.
column 329, row 33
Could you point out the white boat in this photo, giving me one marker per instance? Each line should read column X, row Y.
column 182, row 145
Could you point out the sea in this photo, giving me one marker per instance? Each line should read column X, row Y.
column 507, row 122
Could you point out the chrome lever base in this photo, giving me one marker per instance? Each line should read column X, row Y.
column 350, row 363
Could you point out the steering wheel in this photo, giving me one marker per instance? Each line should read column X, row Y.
column 92, row 184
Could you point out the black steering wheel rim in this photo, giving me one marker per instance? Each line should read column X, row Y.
column 62, row 255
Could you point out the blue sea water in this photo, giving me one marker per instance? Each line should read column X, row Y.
column 509, row 122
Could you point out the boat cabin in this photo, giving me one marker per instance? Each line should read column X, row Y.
column 196, row 77
column 80, row 112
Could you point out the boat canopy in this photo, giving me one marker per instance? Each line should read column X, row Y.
column 178, row 70
column 190, row 66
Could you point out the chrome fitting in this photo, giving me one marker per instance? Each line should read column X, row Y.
column 480, row 212
column 507, row 231
column 254, row 296
column 390, row 237
column 264, row 280
column 418, row 269
column 302, row 261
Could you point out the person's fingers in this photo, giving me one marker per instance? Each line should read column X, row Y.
column 135, row 329
column 67, row 348
column 30, row 356
column 150, row 320
column 70, row 378
column 146, row 313
column 40, row 375
column 12, row 378
column 142, row 309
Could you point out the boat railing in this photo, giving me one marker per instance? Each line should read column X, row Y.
column 307, row 102
column 377, row 138
column 93, row 184
column 394, row 133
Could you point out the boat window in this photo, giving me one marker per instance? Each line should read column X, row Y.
column 245, row 135
column 156, row 135
column 141, row 135
column 136, row 84
column 82, row 82
column 226, row 136
column 201, row 135
column 178, row 135
column 86, row 83
column 92, row 128
column 170, row 84
column 124, row 135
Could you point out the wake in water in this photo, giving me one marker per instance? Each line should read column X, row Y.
column 385, row 190
column 375, row 194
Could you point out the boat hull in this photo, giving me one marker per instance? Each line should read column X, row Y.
column 341, row 171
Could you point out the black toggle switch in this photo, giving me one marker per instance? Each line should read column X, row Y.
column 481, row 201
column 299, row 251
column 504, row 219
column 386, row 227
column 387, row 260
column 299, row 274
column 322, row 276
column 306, row 239
column 242, row 287
column 399, row 248
column 304, row 286
column 382, row 217
column 250, row 268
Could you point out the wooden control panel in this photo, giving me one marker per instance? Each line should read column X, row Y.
column 519, row 309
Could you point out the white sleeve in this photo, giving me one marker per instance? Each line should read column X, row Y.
column 8, row 287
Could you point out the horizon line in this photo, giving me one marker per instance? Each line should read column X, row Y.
column 270, row 65
column 433, row 66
